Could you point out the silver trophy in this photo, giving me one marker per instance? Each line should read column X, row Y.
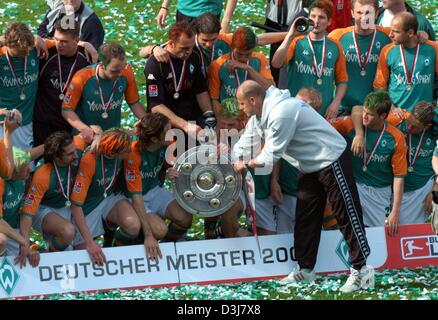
column 207, row 185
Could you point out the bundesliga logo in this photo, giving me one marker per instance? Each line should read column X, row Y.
column 421, row 247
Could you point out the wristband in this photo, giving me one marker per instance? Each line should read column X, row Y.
column 164, row 8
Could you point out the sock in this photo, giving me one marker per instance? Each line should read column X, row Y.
column 212, row 228
column 174, row 232
column 123, row 238
column 108, row 236
column 56, row 245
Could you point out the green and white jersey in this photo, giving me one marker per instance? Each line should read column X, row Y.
column 27, row 85
column 195, row 8
column 12, row 198
column 360, row 85
column 301, row 71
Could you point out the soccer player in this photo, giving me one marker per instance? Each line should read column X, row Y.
column 178, row 88
column 93, row 198
column 361, row 45
column 65, row 59
column 91, row 29
column 391, row 8
column 407, row 68
column 314, row 60
column 294, row 131
column 420, row 142
column 19, row 67
column 380, row 169
column 95, row 94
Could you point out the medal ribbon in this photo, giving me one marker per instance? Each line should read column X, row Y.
column 107, row 105
column 204, row 67
column 70, row 74
column 363, row 64
column 319, row 72
column 417, row 152
column 105, row 188
column 366, row 159
column 8, row 58
column 405, row 64
column 181, row 79
column 66, row 195
column 237, row 75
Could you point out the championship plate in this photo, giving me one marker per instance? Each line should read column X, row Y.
column 207, row 185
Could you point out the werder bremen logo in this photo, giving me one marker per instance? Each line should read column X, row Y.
column 342, row 252
column 8, row 276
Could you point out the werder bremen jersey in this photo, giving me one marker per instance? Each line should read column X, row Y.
column 301, row 73
column 83, row 96
column 11, row 200
column 28, row 84
column 388, row 160
column 221, row 46
column 359, row 86
column 391, row 75
column 46, row 189
column 141, row 169
column 423, row 170
column 89, row 187
column 223, row 84
column 194, row 8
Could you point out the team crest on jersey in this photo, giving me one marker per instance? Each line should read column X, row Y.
column 378, row 45
column 77, row 187
column 383, row 143
column 153, row 90
column 130, row 175
column 329, row 55
column 192, row 68
column 120, row 88
column 426, row 62
column 151, row 77
column 29, row 199
column 33, row 62
column 428, row 141
column 220, row 52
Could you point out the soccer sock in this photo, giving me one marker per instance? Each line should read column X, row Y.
column 123, row 238
column 56, row 244
column 174, row 232
column 212, row 228
column 108, row 236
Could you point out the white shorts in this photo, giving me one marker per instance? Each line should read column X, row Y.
column 157, row 200
column 37, row 221
column 412, row 210
column 276, row 218
column 12, row 247
column 376, row 204
column 22, row 137
column 94, row 218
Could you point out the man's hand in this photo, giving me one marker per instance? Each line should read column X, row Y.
column 276, row 194
column 160, row 54
column 397, row 112
column 332, row 111
column 87, row 134
column 357, row 145
column 90, row 51
column 161, row 18
column 192, row 129
column 12, row 121
column 209, row 119
column 33, row 257
column 22, row 256
column 171, row 173
column 152, row 248
column 427, row 203
column 423, row 36
column 41, row 48
column 231, row 65
column 239, row 166
column 95, row 252
column 393, row 223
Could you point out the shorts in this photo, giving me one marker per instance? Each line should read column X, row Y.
column 12, row 247
column 376, row 204
column 412, row 209
column 157, row 200
column 37, row 221
column 276, row 218
column 94, row 218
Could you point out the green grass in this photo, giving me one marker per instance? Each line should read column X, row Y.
column 132, row 23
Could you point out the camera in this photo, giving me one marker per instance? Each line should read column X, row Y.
column 304, row 24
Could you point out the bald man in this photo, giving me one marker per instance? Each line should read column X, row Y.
column 294, row 131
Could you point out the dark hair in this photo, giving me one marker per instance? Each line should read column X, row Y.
column 207, row 23
column 374, row 3
column 150, row 126
column 19, row 35
column 109, row 51
column 424, row 112
column 378, row 102
column 179, row 29
column 324, row 5
column 55, row 144
column 73, row 32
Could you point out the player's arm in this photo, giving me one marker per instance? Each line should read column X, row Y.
column 393, row 220
column 276, row 193
column 25, row 226
column 358, row 141
column 225, row 24
column 162, row 14
column 270, row 37
column 281, row 54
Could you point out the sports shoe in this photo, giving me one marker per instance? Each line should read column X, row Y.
column 359, row 279
column 299, row 275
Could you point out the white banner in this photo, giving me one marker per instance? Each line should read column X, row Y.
column 183, row 262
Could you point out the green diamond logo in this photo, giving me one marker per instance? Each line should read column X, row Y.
column 8, row 276
column 342, row 252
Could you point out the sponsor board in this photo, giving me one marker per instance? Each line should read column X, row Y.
column 204, row 261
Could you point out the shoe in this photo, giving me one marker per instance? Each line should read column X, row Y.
column 299, row 275
column 359, row 279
